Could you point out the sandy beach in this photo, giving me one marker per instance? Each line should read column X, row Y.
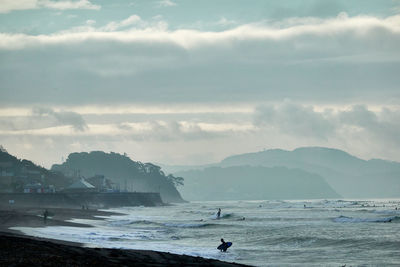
column 20, row 250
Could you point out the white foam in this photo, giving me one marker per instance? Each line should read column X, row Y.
column 186, row 225
column 93, row 237
column 344, row 219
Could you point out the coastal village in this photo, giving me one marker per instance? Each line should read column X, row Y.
column 25, row 177
column 22, row 183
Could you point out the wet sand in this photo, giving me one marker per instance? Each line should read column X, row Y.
column 26, row 217
column 19, row 250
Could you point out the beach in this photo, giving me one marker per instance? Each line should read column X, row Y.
column 264, row 233
column 17, row 249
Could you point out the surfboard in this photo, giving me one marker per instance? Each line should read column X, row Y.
column 224, row 246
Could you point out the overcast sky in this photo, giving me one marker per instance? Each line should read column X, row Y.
column 191, row 82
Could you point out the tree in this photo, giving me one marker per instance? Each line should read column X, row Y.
column 2, row 149
column 177, row 181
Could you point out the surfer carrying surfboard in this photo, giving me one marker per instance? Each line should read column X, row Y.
column 224, row 246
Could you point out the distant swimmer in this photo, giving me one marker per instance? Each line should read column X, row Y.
column 219, row 214
column 224, row 246
column 305, row 206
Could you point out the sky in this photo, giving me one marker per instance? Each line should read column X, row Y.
column 184, row 82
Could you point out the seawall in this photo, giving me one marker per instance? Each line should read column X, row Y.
column 77, row 200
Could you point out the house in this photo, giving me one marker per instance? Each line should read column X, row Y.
column 38, row 188
column 80, row 186
column 101, row 183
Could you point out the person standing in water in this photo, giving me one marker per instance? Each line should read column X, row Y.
column 224, row 246
column 219, row 213
column 45, row 214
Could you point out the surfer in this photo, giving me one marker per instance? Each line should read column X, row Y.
column 219, row 214
column 224, row 246
column 45, row 214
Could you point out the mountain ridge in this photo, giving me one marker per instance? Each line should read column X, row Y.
column 254, row 183
column 348, row 175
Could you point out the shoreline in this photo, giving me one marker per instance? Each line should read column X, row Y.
column 18, row 248
column 33, row 217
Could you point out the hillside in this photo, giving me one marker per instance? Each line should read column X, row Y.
column 348, row 175
column 16, row 173
column 129, row 175
column 253, row 183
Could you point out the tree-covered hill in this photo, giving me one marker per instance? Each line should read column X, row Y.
column 127, row 174
column 17, row 173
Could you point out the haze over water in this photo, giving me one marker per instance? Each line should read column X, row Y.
column 182, row 83
column 273, row 233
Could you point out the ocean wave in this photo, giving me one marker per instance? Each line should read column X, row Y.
column 131, row 222
column 309, row 241
column 389, row 212
column 189, row 225
column 344, row 219
column 223, row 216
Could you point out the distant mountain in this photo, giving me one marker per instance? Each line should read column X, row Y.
column 254, row 183
column 182, row 168
column 348, row 175
column 128, row 174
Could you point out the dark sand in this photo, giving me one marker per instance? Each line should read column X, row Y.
column 30, row 217
column 19, row 250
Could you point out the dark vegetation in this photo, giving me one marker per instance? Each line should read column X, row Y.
column 126, row 174
column 16, row 173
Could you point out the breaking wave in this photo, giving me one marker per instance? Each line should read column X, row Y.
column 344, row 219
column 189, row 225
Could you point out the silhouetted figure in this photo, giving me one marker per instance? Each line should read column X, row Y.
column 224, row 246
column 45, row 214
column 219, row 213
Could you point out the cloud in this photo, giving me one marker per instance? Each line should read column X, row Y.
column 295, row 119
column 360, row 28
column 356, row 123
column 63, row 117
column 328, row 60
column 112, row 26
column 383, row 125
column 63, row 5
column 225, row 22
column 166, row 3
column 11, row 5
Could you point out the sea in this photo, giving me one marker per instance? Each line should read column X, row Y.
column 264, row 233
